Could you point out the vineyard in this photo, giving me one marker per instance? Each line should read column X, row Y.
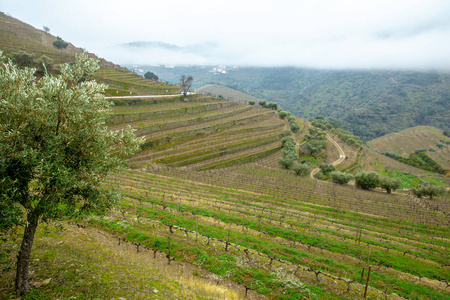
column 200, row 132
column 285, row 237
column 122, row 82
column 207, row 189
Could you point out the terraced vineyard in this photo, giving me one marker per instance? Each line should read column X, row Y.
column 286, row 237
column 409, row 140
column 200, row 132
column 207, row 186
column 122, row 82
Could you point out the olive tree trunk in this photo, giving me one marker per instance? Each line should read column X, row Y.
column 23, row 258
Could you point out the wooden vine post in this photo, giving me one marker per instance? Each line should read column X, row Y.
column 367, row 283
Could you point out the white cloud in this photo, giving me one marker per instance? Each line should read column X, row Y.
column 412, row 34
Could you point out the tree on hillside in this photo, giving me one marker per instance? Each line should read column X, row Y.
column 327, row 168
column 151, row 76
column 55, row 150
column 367, row 181
column 390, row 184
column 59, row 43
column 185, row 84
column 262, row 103
column 340, row 178
column 427, row 189
column 46, row 29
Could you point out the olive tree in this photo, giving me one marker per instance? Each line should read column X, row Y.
column 367, row 180
column 390, row 184
column 428, row 189
column 340, row 178
column 55, row 150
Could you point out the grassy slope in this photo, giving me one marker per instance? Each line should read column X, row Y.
column 227, row 93
column 85, row 263
column 16, row 35
column 407, row 141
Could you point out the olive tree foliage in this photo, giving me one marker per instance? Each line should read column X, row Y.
column 151, row 76
column 301, row 169
column 390, row 184
column 367, row 180
column 55, row 150
column 327, row 168
column 59, row 43
column 428, row 189
column 289, row 155
column 185, row 84
column 341, row 178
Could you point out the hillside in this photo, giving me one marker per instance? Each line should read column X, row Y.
column 226, row 93
column 208, row 213
column 369, row 103
column 199, row 132
column 18, row 36
column 407, row 141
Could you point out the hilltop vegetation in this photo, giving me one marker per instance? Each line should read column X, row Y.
column 38, row 46
column 368, row 103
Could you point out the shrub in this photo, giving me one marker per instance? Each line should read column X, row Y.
column 341, row 178
column 59, row 43
column 319, row 175
column 327, row 168
column 251, row 102
column 301, row 169
column 22, row 58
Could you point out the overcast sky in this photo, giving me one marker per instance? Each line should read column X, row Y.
column 400, row 34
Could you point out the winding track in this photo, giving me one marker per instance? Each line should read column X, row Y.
column 334, row 163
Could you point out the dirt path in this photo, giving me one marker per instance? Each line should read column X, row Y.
column 336, row 162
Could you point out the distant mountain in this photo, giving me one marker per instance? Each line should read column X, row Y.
column 202, row 49
column 369, row 103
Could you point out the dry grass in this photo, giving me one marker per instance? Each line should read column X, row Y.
column 84, row 263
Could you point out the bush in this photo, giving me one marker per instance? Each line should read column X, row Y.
column 341, row 178
column 326, row 168
column 251, row 102
column 447, row 133
column 367, row 181
column 59, row 43
column 301, row 169
column 22, row 58
column 319, row 175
